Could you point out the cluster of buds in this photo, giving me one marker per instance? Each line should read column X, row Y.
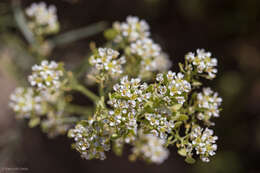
column 43, row 20
column 47, row 76
column 106, row 61
column 203, row 62
column 208, row 104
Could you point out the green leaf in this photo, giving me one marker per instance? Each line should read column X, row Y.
column 183, row 117
column 182, row 152
column 110, row 34
column 114, row 136
column 177, row 124
column 196, row 83
column 190, row 160
column 181, row 67
column 70, row 134
column 176, row 107
column 34, row 122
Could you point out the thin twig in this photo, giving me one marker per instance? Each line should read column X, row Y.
column 21, row 22
column 78, row 34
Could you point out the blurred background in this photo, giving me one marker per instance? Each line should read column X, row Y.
column 230, row 29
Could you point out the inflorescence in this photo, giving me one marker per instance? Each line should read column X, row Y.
column 141, row 102
column 43, row 20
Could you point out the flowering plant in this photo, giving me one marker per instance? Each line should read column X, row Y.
column 140, row 101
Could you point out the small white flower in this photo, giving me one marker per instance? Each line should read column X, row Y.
column 47, row 76
column 131, row 30
column 161, row 63
column 204, row 62
column 210, row 103
column 107, row 60
column 159, row 77
column 90, row 141
column 25, row 102
column 160, row 124
column 152, row 58
column 177, row 85
column 204, row 142
column 151, row 148
column 43, row 19
column 145, row 48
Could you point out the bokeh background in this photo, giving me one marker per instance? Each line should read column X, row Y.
column 230, row 29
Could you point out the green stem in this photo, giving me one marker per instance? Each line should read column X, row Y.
column 78, row 109
column 86, row 92
column 70, row 120
column 78, row 34
column 101, row 88
column 22, row 24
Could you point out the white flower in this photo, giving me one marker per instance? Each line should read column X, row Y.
column 159, row 77
column 90, row 140
column 25, row 102
column 204, row 62
column 47, row 76
column 161, row 63
column 160, row 124
column 43, row 19
column 107, row 60
column 124, row 116
column 131, row 30
column 152, row 59
column 210, row 103
column 145, row 48
column 204, row 142
column 151, row 148
column 177, row 85
column 55, row 125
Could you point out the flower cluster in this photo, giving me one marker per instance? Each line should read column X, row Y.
column 133, row 99
column 203, row 142
column 91, row 139
column 161, row 63
column 203, row 62
column 150, row 54
column 25, row 102
column 145, row 48
column 43, row 103
column 143, row 55
column 150, row 148
column 47, row 76
column 131, row 30
column 127, row 103
column 56, row 124
column 208, row 103
column 166, row 110
column 42, row 19
column 159, row 124
column 175, row 83
column 106, row 61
